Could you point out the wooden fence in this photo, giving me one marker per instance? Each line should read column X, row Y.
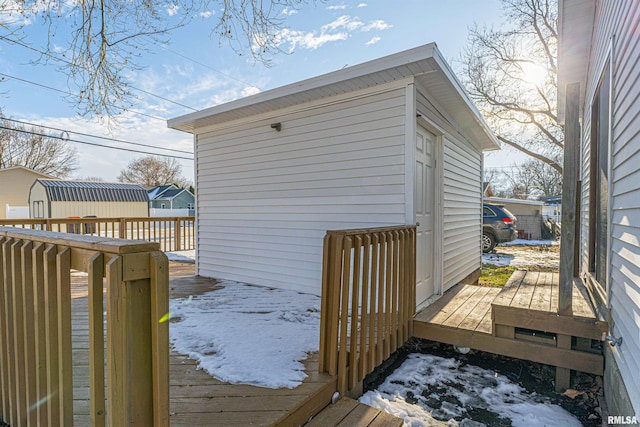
column 172, row 233
column 368, row 299
column 36, row 371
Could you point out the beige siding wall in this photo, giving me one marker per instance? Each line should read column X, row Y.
column 461, row 171
column 620, row 18
column 15, row 185
column 266, row 198
column 99, row 209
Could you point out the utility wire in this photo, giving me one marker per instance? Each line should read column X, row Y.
column 59, row 59
column 206, row 66
column 96, row 136
column 71, row 94
column 93, row 143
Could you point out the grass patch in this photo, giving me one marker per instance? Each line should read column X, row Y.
column 495, row 276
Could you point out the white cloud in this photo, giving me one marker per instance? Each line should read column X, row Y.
column 376, row 25
column 345, row 21
column 173, row 9
column 337, row 7
column 373, row 41
column 289, row 11
column 249, row 90
column 207, row 14
column 308, row 40
column 361, row 5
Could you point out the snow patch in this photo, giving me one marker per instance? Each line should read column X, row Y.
column 245, row 334
column 427, row 388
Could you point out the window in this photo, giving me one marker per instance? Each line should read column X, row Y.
column 189, row 205
column 599, row 179
column 486, row 211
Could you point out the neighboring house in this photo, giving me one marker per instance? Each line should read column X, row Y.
column 171, row 197
column 51, row 198
column 487, row 189
column 15, row 183
column 599, row 50
column 387, row 142
column 528, row 213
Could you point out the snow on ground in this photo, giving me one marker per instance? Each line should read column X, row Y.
column 523, row 253
column 183, row 256
column 247, row 334
column 427, row 388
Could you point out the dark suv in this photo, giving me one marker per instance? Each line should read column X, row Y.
column 498, row 226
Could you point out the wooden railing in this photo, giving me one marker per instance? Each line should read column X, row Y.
column 172, row 233
column 368, row 299
column 36, row 358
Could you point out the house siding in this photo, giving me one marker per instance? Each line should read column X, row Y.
column 15, row 184
column 266, row 198
column 620, row 19
column 461, row 177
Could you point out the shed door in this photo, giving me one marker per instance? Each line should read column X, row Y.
column 425, row 208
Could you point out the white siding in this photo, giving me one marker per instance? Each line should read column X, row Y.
column 266, row 198
column 620, row 18
column 462, row 214
column 461, row 171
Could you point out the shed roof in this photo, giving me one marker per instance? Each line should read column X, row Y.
column 89, row 191
column 425, row 64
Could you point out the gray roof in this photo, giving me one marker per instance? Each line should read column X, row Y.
column 89, row 191
column 169, row 194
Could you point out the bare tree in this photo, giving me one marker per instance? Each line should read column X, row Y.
column 107, row 37
column 511, row 75
column 530, row 180
column 150, row 171
column 32, row 148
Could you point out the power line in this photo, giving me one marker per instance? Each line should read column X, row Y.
column 206, row 66
column 93, row 143
column 97, row 136
column 59, row 59
column 71, row 94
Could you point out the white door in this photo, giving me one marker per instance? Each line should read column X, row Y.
column 425, row 207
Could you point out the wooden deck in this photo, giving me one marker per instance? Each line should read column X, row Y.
column 519, row 320
column 349, row 413
column 196, row 398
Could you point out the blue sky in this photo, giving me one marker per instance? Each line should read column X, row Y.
column 194, row 70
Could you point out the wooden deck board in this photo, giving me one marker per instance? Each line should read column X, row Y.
column 482, row 313
column 541, row 299
column 198, row 399
column 347, row 412
column 527, row 301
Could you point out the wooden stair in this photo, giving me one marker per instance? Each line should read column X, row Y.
column 520, row 321
column 347, row 412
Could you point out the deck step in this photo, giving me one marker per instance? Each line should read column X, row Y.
column 519, row 321
column 347, row 412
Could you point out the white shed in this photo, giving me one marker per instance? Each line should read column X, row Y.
column 387, row 142
column 599, row 50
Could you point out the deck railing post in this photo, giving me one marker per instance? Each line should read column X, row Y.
column 178, row 234
column 36, row 369
column 368, row 300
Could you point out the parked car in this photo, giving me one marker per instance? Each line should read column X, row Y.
column 498, row 226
